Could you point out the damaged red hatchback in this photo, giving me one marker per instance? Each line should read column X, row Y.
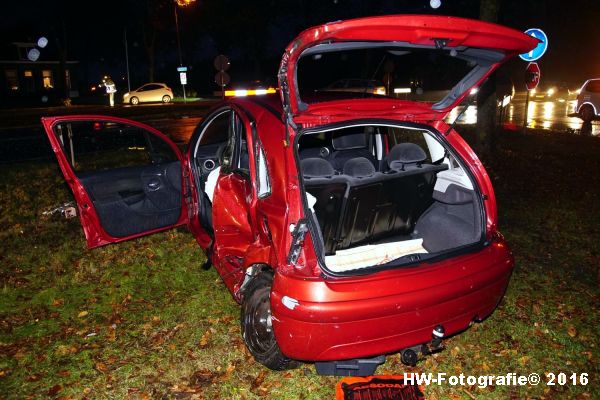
column 348, row 225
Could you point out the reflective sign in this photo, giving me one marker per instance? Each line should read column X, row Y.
column 540, row 49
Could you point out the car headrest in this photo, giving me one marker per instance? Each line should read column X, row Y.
column 316, row 168
column 359, row 167
column 349, row 141
column 406, row 153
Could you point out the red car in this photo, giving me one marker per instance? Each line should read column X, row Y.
column 347, row 227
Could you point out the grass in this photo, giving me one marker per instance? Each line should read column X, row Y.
column 142, row 320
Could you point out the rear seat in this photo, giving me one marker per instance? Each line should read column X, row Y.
column 364, row 205
column 349, row 146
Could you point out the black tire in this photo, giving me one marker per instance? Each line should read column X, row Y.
column 166, row 98
column 256, row 326
column 134, row 100
column 586, row 113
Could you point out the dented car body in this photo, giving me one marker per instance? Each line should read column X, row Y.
column 347, row 227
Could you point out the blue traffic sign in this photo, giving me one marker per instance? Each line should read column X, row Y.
column 181, row 69
column 540, row 49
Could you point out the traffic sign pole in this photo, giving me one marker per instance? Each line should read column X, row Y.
column 532, row 80
column 222, row 64
column 526, row 111
column 183, row 80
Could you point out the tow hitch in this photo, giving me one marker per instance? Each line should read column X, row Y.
column 410, row 356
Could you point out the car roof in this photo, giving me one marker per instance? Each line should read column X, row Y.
column 270, row 102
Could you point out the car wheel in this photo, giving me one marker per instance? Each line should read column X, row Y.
column 134, row 101
column 166, row 99
column 257, row 329
column 586, row 113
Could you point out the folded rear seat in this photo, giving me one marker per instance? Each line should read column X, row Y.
column 329, row 191
column 363, row 205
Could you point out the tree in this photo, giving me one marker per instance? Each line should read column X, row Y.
column 486, row 97
column 156, row 18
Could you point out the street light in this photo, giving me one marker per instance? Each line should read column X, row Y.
column 180, row 3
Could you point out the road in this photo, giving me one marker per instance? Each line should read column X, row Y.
column 22, row 137
column 29, row 142
column 547, row 114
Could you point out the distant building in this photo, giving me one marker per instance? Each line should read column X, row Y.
column 26, row 82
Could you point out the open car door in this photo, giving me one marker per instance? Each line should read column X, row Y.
column 127, row 178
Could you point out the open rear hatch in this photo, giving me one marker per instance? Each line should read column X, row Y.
column 382, row 187
column 439, row 59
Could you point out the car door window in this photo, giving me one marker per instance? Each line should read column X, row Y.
column 593, row 87
column 132, row 176
column 235, row 154
column 93, row 146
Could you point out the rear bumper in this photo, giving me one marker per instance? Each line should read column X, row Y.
column 319, row 320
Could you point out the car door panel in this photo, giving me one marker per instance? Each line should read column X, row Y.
column 148, row 197
column 115, row 204
column 233, row 233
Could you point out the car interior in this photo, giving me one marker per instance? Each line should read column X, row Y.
column 132, row 176
column 218, row 143
column 381, row 194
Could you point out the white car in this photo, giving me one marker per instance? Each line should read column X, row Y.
column 588, row 100
column 150, row 92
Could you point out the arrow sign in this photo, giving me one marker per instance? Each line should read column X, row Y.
column 540, row 49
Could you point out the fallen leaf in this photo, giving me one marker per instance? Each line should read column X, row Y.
column 258, row 381
column 204, row 339
column 82, row 314
column 454, row 351
column 33, row 378
column 112, row 335
column 100, row 366
column 230, row 368
column 572, row 331
column 523, row 360
column 201, row 378
column 54, row 390
column 58, row 302
column 62, row 350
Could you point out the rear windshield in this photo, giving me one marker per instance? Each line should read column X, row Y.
column 416, row 74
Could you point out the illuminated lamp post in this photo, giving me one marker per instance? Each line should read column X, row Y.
column 180, row 3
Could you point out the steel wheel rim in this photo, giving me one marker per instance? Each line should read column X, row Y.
column 259, row 332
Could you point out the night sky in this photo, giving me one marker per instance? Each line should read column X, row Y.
column 254, row 33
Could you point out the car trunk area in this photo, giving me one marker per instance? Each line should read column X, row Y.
column 383, row 195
